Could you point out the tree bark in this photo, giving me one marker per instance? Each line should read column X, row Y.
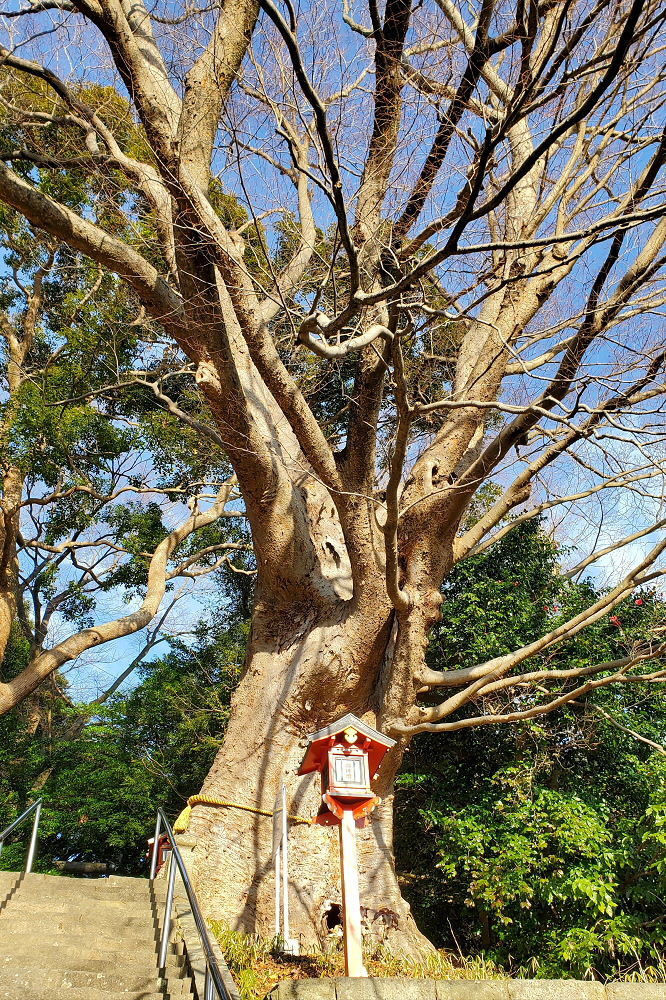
column 300, row 673
column 12, row 488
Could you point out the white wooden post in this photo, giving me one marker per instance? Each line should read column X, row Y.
column 285, row 870
column 278, row 839
column 288, row 945
column 277, row 893
column 351, row 901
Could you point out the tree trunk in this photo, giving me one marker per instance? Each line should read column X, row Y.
column 298, row 677
column 10, row 506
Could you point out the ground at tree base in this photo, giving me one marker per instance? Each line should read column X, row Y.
column 260, row 971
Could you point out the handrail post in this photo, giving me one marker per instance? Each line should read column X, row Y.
column 33, row 839
column 218, row 985
column 153, row 860
column 35, row 808
column 166, row 930
column 209, row 987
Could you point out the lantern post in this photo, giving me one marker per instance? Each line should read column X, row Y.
column 347, row 754
column 351, row 899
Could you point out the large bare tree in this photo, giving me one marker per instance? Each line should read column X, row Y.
column 450, row 276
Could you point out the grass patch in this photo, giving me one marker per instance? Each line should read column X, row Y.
column 257, row 966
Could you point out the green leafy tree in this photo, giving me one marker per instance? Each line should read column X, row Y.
column 106, row 479
column 542, row 845
column 103, row 770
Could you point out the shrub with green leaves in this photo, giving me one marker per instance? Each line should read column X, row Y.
column 544, row 844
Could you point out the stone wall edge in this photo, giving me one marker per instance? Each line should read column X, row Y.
column 460, row 989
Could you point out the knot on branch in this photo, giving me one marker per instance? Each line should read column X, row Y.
column 206, row 375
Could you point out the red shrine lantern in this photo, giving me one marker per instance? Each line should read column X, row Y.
column 163, row 850
column 347, row 754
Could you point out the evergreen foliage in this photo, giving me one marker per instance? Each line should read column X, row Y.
column 103, row 771
column 543, row 844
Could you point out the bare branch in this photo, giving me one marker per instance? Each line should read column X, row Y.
column 13, row 691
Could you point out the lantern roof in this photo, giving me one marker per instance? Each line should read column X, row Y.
column 314, row 759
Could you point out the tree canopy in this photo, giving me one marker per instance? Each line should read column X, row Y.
column 542, row 845
column 97, row 468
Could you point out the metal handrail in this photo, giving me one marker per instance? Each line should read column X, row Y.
column 215, row 986
column 35, row 808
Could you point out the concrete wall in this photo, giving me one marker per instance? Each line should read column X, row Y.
column 424, row 989
column 188, row 943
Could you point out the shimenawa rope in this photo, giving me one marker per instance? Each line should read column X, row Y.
column 183, row 821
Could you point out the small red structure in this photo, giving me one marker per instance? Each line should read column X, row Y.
column 347, row 754
column 163, row 850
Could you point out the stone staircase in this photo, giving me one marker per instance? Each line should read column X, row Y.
column 85, row 939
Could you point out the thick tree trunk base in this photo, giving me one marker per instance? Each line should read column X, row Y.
column 230, row 849
column 300, row 675
column 230, row 854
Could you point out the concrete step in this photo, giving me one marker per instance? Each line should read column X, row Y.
column 113, row 888
column 116, row 896
column 95, row 910
column 178, row 987
column 82, row 934
column 29, row 991
column 68, row 957
column 124, row 928
column 110, row 880
column 64, row 952
column 47, row 890
column 14, row 975
column 84, row 939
